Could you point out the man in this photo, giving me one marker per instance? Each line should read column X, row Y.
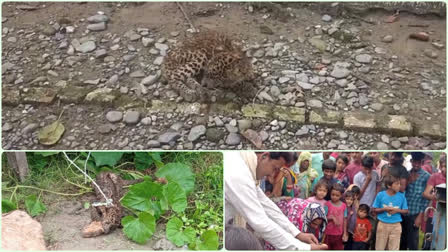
column 378, row 163
column 427, row 163
column 354, row 167
column 395, row 168
column 245, row 201
column 417, row 204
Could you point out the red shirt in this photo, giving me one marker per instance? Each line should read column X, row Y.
column 427, row 166
column 362, row 229
column 352, row 169
column 434, row 180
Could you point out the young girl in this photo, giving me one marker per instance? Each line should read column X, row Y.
column 356, row 195
column 340, row 175
column 351, row 218
column 320, row 190
column 336, row 211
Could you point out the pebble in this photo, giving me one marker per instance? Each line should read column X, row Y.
column 233, row 139
column 377, row 106
column 265, row 96
column 396, row 144
column 326, row 18
column 168, row 137
column 340, row 72
column 315, row 103
column 196, row 132
column 283, row 80
column 385, row 138
column 12, row 39
column 7, row 127
column 430, row 53
column 29, row 128
column 153, row 144
column 161, row 47
column 218, row 122
column 86, row 47
column 275, row 91
column 100, row 53
column 147, row 41
column 158, row 61
column 137, row 74
column 304, row 85
column 382, row 146
column 388, row 39
column 97, row 26
column 364, row 58
column 98, row 18
column 114, row 116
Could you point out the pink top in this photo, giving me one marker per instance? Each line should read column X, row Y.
column 434, row 180
column 351, row 170
column 318, row 201
column 337, row 212
column 427, row 166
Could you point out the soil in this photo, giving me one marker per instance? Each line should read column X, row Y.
column 64, row 220
column 404, row 55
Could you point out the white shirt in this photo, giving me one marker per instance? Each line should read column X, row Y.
column 370, row 193
column 243, row 197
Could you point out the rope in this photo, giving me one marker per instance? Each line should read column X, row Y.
column 109, row 202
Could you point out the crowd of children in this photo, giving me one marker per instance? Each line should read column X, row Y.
column 371, row 200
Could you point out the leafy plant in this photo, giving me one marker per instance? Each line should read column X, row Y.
column 8, row 206
column 33, row 206
column 151, row 199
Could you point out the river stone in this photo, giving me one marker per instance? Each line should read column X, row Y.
column 196, row 132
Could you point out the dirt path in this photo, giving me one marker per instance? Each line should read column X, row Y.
column 63, row 222
column 295, row 53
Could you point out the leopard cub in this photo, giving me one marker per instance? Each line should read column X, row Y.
column 207, row 65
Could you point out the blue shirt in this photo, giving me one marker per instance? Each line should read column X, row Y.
column 416, row 202
column 385, row 200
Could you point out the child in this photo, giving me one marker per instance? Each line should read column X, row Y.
column 356, row 195
column 389, row 205
column 368, row 181
column 340, row 175
column 363, row 229
column 328, row 168
column 336, row 210
column 351, row 218
column 320, row 191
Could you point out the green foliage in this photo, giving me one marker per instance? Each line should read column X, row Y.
column 33, row 206
column 175, row 195
column 178, row 173
column 139, row 229
column 208, row 241
column 107, row 158
column 8, row 206
column 177, row 234
column 144, row 197
column 144, row 160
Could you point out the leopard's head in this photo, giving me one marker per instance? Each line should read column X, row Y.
column 240, row 68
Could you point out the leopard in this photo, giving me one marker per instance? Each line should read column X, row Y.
column 206, row 65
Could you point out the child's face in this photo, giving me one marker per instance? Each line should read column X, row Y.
column 355, row 196
column 443, row 169
column 362, row 214
column 366, row 170
column 328, row 174
column 396, row 186
column 335, row 195
column 340, row 165
column 321, row 192
column 349, row 201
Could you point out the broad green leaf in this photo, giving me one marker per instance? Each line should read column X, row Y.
column 179, row 173
column 164, row 204
column 174, row 231
column 140, row 195
column 156, row 158
column 90, row 165
column 107, row 158
column 175, row 196
column 208, row 241
column 8, row 206
column 34, row 206
column 189, row 234
column 86, row 205
column 142, row 160
column 139, row 229
column 46, row 153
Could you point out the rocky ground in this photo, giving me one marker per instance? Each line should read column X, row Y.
column 63, row 223
column 327, row 78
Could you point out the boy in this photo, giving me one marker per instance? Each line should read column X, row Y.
column 328, row 168
column 367, row 180
column 389, row 205
column 363, row 229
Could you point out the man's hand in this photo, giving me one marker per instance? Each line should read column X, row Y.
column 319, row 246
column 418, row 221
column 307, row 238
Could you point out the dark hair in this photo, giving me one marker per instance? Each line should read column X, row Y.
column 389, row 180
column 295, row 157
column 367, row 162
column 442, row 160
column 349, row 194
column 364, row 207
column 386, row 155
column 287, row 156
column 338, row 187
column 321, row 183
column 328, row 164
column 356, row 190
column 238, row 238
column 417, row 156
column 344, row 159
